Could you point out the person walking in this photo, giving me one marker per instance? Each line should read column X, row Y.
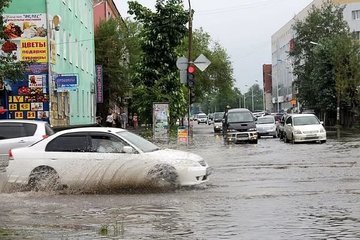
column 135, row 121
column 109, row 120
column 124, row 120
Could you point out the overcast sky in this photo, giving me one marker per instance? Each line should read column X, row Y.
column 242, row 27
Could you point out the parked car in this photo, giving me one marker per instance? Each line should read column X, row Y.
column 304, row 128
column 239, row 125
column 20, row 133
column 218, row 117
column 266, row 126
column 202, row 118
column 103, row 157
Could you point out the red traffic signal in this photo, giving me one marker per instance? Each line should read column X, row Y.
column 191, row 69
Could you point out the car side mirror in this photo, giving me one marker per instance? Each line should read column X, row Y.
column 128, row 149
column 322, row 122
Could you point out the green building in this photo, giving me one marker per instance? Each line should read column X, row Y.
column 58, row 37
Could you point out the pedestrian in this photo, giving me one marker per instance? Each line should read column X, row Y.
column 99, row 121
column 124, row 120
column 109, row 120
column 135, row 121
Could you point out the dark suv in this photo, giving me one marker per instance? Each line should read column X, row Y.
column 239, row 125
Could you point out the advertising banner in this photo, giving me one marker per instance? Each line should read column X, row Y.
column 66, row 83
column 99, row 84
column 161, row 121
column 27, row 98
column 27, row 35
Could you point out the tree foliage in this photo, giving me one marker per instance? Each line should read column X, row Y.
column 157, row 77
column 116, row 49
column 214, row 86
column 325, row 60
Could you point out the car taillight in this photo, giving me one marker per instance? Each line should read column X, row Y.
column 44, row 136
column 11, row 157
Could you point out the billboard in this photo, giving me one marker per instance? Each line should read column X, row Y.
column 161, row 121
column 99, row 84
column 27, row 37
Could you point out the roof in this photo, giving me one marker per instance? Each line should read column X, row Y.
column 23, row 121
column 94, row 129
column 239, row 110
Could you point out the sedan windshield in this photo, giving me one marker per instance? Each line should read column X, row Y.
column 141, row 143
column 235, row 117
column 266, row 120
column 218, row 115
column 306, row 120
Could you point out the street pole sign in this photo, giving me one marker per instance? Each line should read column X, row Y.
column 182, row 63
column 202, row 62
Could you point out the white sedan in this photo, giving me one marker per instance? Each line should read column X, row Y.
column 266, row 126
column 93, row 157
column 304, row 128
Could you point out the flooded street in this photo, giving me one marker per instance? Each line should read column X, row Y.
column 271, row 190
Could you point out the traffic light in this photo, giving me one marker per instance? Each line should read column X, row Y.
column 192, row 95
column 191, row 76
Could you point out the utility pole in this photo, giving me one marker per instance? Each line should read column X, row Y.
column 252, row 98
column 189, row 62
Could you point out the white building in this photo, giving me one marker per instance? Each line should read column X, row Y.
column 283, row 96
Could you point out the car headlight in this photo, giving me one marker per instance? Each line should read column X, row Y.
column 252, row 129
column 297, row 132
column 231, row 130
column 322, row 130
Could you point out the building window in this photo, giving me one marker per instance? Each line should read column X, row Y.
column 71, row 49
column 76, row 50
column 58, row 42
column 83, row 102
column 64, row 43
column 356, row 14
column 78, row 102
column 87, row 60
column 83, row 57
column 356, row 35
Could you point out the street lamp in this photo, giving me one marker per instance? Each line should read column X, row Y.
column 244, row 101
column 244, row 96
column 277, row 97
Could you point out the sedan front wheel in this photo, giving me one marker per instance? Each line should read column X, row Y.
column 163, row 175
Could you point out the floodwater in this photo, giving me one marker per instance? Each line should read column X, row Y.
column 271, row 190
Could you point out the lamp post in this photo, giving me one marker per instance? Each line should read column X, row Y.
column 245, row 97
column 244, row 101
column 252, row 98
column 277, row 97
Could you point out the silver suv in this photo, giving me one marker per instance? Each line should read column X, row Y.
column 20, row 133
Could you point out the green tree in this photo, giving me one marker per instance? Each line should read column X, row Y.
column 157, row 77
column 214, row 86
column 116, row 50
column 325, row 61
column 10, row 68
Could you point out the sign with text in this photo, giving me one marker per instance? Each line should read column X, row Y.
column 26, row 37
column 66, row 83
column 99, row 84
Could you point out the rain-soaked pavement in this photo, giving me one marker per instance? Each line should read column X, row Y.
column 271, row 190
